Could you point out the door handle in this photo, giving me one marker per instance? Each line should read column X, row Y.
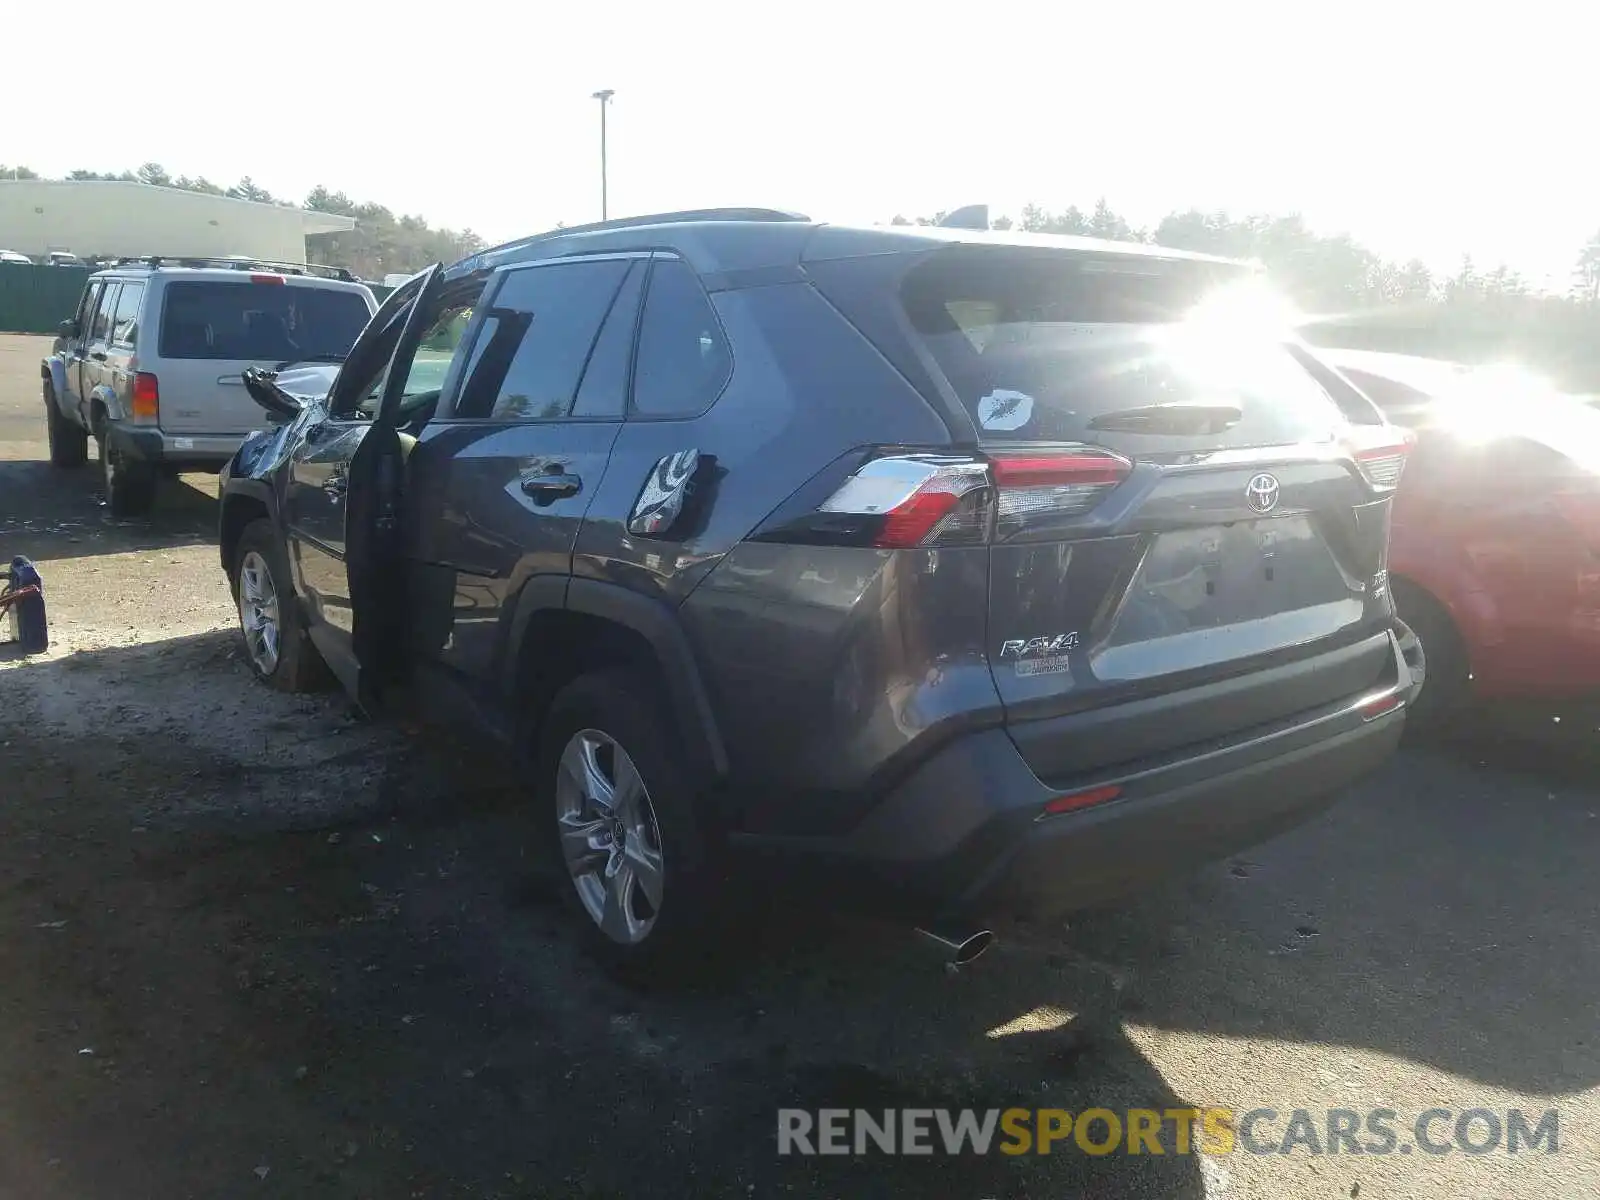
column 98, row 355
column 548, row 486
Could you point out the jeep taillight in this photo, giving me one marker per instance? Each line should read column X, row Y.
column 146, row 399
column 900, row 501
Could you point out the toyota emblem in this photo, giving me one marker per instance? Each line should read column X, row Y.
column 1261, row 493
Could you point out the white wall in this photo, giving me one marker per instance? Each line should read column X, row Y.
column 114, row 218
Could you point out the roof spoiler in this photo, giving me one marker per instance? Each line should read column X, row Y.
column 973, row 216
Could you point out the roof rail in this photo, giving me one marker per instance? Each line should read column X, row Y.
column 685, row 215
column 666, row 218
column 157, row 261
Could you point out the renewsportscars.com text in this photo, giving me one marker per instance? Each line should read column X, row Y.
column 1212, row 1131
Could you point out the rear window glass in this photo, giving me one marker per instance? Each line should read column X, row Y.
column 1042, row 346
column 262, row 322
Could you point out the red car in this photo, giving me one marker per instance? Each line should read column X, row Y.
column 1495, row 555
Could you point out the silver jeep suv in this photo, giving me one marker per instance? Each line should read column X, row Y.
column 149, row 365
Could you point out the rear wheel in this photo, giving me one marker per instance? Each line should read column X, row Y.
column 1448, row 682
column 130, row 484
column 276, row 643
column 69, row 443
column 624, row 833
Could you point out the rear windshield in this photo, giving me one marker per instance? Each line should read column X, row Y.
column 261, row 322
column 1042, row 346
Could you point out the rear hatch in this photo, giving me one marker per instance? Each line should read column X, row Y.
column 211, row 329
column 1181, row 517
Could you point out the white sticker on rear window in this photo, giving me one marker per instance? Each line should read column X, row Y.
column 1002, row 409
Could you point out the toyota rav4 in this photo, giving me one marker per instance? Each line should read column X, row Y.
column 956, row 571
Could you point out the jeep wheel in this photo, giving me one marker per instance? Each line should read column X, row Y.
column 626, row 837
column 130, row 485
column 276, row 644
column 69, row 443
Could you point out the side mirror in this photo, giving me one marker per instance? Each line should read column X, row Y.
column 68, row 328
column 279, row 405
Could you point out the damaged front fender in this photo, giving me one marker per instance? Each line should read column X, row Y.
column 262, row 452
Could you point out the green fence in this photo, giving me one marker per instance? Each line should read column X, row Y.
column 35, row 299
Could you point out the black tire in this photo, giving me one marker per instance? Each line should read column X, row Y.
column 684, row 939
column 297, row 666
column 1448, row 683
column 130, row 485
column 69, row 442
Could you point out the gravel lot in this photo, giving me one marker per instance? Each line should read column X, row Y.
column 258, row 947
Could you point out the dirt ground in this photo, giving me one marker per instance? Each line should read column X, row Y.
column 253, row 946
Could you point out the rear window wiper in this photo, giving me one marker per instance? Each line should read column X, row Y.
column 1170, row 418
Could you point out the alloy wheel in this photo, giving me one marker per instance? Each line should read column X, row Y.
column 258, row 612
column 610, row 840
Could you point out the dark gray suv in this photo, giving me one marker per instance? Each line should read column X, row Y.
column 956, row 571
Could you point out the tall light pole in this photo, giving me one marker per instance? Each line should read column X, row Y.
column 605, row 98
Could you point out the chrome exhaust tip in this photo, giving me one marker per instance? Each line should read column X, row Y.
column 958, row 949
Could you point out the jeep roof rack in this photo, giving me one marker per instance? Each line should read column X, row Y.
column 234, row 263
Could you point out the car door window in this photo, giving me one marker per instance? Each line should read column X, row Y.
column 430, row 365
column 91, row 298
column 604, row 390
column 536, row 339
column 100, row 329
column 125, row 320
column 683, row 358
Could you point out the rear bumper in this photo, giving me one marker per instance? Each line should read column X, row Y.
column 966, row 835
column 171, row 451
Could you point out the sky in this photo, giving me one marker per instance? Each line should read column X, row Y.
column 1421, row 128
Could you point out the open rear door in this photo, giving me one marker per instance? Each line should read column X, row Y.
column 374, row 546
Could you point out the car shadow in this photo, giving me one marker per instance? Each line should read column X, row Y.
column 411, row 993
column 49, row 513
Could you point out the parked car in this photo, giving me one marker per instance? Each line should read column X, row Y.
column 62, row 258
column 958, row 572
column 150, row 364
column 1495, row 554
column 11, row 256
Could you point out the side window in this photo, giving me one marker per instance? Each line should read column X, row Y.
column 101, row 329
column 125, row 320
column 604, row 390
column 430, row 364
column 86, row 306
column 683, row 359
column 536, row 339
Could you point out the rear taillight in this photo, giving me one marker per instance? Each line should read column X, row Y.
column 1381, row 455
column 905, row 501
column 146, row 400
column 908, row 500
column 1039, row 486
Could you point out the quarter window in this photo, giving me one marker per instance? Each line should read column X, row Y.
column 683, row 358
